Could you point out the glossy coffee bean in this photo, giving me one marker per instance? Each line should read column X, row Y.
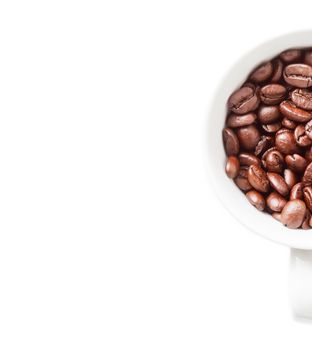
column 306, row 221
column 293, row 213
column 285, row 142
column 268, row 114
column 289, row 124
column 258, row 178
column 248, row 137
column 264, row 143
column 270, row 128
column 248, row 159
column 308, row 58
column 243, row 100
column 272, row 94
column 273, row 160
column 277, row 71
column 307, row 176
column 278, row 183
column 231, row 143
column 307, row 196
column 241, row 180
column 256, row 199
column 296, row 162
column 302, row 98
column 297, row 191
column 236, row 121
column 232, row 167
column 302, row 139
column 292, row 112
column 308, row 129
column 291, row 56
column 262, row 73
column 276, row 202
column 298, row 75
column 290, row 178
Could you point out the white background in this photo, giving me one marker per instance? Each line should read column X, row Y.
column 110, row 235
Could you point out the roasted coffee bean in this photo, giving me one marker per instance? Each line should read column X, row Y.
column 297, row 191
column 307, row 196
column 268, row 114
column 273, row 160
column 276, row 202
column 298, row 75
column 285, row 141
column 293, row 213
column 308, row 58
column 277, row 71
column 296, row 162
column 308, row 155
column 248, row 137
column 264, row 143
column 277, row 216
column 262, row 73
column 290, row 178
column 232, row 167
column 272, row 94
column 258, row 178
column 243, row 100
column 307, row 176
column 292, row 112
column 256, row 199
column 306, row 221
column 248, row 159
column 289, row 124
column 272, row 127
column 308, row 129
column 231, row 143
column 291, row 56
column 241, row 180
column 302, row 98
column 301, row 137
column 278, row 183
column 236, row 121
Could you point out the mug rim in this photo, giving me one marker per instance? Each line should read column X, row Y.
column 229, row 195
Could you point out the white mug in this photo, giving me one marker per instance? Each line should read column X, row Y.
column 300, row 241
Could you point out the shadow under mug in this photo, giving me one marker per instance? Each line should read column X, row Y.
column 300, row 241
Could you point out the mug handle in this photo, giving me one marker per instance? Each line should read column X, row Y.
column 301, row 282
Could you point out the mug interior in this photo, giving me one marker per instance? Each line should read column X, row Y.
column 233, row 199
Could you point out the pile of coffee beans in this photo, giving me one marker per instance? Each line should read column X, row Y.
column 268, row 138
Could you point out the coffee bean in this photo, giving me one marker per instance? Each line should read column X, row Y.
column 308, row 129
column 308, row 155
column 290, row 56
column 236, row 121
column 268, row 114
column 231, row 143
column 278, row 183
column 262, row 73
column 307, row 176
column 297, row 191
column 248, row 159
column 301, row 137
column 289, row 124
column 232, row 167
column 285, row 141
column 272, row 127
column 290, row 178
column 256, row 199
column 308, row 58
column 241, row 180
column 273, row 160
column 296, row 162
column 258, row 178
column 243, row 100
column 272, row 94
column 248, row 137
column 306, row 221
column 264, row 143
column 298, row 75
column 292, row 112
column 277, row 216
column 277, row 71
column 302, row 98
column 307, row 195
column 276, row 202
column 293, row 213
